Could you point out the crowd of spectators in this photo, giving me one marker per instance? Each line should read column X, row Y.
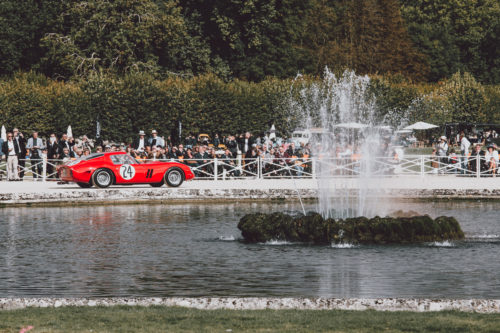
column 231, row 151
column 235, row 154
column 465, row 154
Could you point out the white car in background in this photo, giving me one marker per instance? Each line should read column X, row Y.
column 301, row 137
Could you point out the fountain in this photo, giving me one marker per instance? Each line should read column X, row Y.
column 347, row 145
column 345, row 109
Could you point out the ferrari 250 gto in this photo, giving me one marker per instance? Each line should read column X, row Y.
column 105, row 169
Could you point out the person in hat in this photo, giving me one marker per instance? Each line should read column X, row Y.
column 140, row 143
column 491, row 158
column 155, row 140
column 442, row 151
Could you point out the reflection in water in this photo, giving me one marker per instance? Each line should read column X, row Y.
column 196, row 250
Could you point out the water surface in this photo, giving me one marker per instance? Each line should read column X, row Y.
column 196, row 250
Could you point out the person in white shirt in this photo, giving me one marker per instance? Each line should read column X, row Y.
column 155, row 140
column 464, row 149
column 11, row 150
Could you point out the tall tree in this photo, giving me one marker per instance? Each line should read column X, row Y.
column 368, row 36
column 456, row 35
column 254, row 38
column 122, row 36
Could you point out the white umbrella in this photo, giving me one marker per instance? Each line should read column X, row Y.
column 420, row 126
column 4, row 133
column 404, row 131
column 272, row 133
column 351, row 125
column 69, row 132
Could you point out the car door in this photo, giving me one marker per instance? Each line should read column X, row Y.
column 127, row 170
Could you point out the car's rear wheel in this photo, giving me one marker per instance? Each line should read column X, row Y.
column 84, row 185
column 102, row 178
column 156, row 184
column 174, row 177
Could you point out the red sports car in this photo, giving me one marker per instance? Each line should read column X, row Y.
column 105, row 169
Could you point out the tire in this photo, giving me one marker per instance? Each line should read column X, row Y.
column 85, row 185
column 102, row 178
column 174, row 177
column 156, row 184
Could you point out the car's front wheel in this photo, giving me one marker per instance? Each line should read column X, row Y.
column 102, row 178
column 84, row 185
column 174, row 177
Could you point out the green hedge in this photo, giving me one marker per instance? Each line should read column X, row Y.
column 206, row 103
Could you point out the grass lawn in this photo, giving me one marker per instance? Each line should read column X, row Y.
column 163, row 319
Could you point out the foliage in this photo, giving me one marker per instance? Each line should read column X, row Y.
column 128, row 103
column 459, row 99
column 368, row 36
column 313, row 228
column 456, row 35
column 251, row 40
column 122, row 36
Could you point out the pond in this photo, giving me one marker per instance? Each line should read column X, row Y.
column 196, row 250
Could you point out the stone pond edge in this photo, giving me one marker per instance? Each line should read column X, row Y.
column 258, row 303
column 122, row 195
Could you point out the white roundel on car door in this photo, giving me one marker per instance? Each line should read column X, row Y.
column 127, row 171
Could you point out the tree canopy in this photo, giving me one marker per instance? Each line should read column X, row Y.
column 251, row 39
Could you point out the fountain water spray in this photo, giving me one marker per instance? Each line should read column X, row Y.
column 346, row 138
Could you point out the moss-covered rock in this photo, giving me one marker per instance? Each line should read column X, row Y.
column 313, row 228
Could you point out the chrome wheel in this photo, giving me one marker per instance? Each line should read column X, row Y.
column 174, row 177
column 102, row 178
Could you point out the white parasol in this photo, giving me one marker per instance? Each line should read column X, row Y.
column 420, row 126
column 69, row 132
column 272, row 132
column 403, row 131
column 351, row 125
column 4, row 133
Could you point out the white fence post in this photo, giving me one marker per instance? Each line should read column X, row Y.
column 422, row 165
column 478, row 166
column 44, row 169
column 216, row 171
column 259, row 168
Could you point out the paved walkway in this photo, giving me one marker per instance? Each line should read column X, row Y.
column 407, row 182
column 403, row 187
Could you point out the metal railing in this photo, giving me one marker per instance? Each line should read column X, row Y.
column 274, row 168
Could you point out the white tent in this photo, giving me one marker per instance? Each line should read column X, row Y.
column 351, row 125
column 272, row 132
column 4, row 133
column 420, row 126
column 69, row 132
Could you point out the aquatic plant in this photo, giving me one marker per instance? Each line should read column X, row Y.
column 313, row 228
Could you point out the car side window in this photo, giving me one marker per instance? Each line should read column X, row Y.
column 128, row 159
column 122, row 159
column 116, row 159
